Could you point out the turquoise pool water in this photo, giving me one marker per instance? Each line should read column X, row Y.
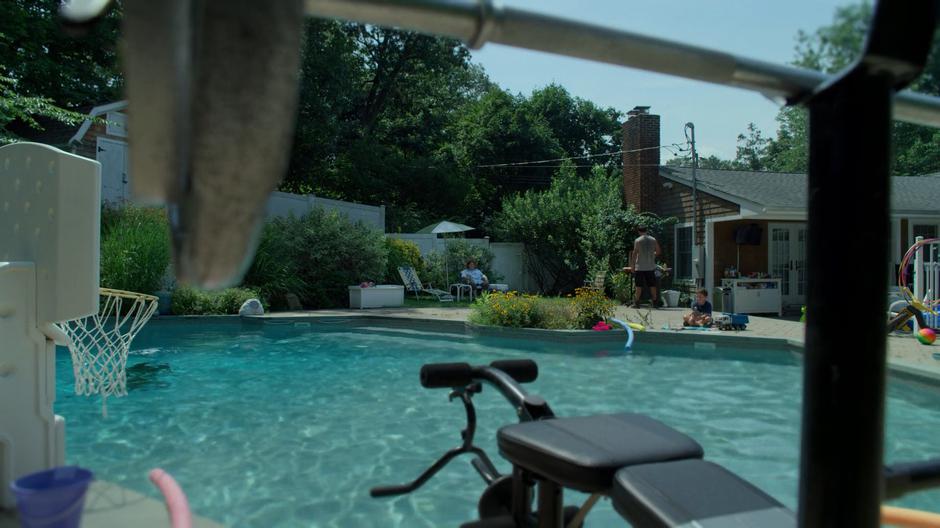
column 287, row 425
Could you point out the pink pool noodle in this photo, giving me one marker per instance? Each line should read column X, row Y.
column 176, row 504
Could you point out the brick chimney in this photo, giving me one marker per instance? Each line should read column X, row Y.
column 641, row 182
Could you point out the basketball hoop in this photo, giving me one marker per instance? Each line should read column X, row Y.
column 99, row 343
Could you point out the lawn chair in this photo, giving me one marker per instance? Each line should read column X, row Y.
column 413, row 284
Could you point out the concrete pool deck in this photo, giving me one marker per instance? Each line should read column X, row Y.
column 111, row 506
column 905, row 354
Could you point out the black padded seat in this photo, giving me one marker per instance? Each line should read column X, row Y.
column 583, row 453
column 697, row 493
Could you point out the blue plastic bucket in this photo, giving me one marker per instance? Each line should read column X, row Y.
column 52, row 498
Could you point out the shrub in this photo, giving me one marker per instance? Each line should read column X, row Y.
column 504, row 309
column 274, row 271
column 402, row 253
column 191, row 301
column 444, row 268
column 555, row 313
column 316, row 256
column 135, row 248
column 576, row 225
column 591, row 306
column 530, row 311
column 622, row 287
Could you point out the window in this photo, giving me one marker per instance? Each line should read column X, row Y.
column 924, row 230
column 683, row 264
column 116, row 124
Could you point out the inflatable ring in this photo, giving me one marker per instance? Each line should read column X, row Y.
column 894, row 516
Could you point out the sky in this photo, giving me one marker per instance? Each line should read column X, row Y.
column 750, row 28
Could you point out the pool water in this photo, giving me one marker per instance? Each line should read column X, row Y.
column 286, row 425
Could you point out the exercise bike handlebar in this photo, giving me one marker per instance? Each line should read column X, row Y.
column 450, row 375
column 505, row 375
column 464, row 380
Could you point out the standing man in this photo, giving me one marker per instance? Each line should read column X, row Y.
column 645, row 251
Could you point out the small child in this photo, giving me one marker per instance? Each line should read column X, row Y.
column 701, row 311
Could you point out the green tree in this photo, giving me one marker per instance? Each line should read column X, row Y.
column 581, row 127
column 374, row 109
column 27, row 110
column 44, row 61
column 488, row 137
column 708, row 162
column 575, row 225
column 830, row 49
column 752, row 150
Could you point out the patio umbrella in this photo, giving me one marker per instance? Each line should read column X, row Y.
column 445, row 227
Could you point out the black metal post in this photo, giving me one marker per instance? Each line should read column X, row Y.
column 551, row 507
column 847, row 259
column 843, row 392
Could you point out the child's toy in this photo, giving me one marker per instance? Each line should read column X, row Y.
column 913, row 310
column 601, row 326
column 926, row 336
column 731, row 321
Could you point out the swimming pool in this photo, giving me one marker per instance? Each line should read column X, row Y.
column 290, row 425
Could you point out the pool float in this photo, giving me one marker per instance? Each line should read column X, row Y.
column 176, row 504
column 629, row 327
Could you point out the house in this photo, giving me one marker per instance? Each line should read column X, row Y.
column 754, row 221
column 104, row 140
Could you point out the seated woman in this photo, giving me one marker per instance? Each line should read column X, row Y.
column 474, row 277
column 701, row 311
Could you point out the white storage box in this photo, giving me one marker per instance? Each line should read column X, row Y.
column 383, row 295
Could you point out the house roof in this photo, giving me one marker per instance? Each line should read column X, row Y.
column 95, row 112
column 787, row 191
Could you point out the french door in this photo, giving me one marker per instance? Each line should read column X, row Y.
column 787, row 258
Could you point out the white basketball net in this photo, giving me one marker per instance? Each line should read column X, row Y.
column 99, row 343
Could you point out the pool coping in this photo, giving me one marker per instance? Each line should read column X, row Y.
column 897, row 368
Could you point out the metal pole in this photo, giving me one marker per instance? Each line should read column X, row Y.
column 849, row 160
column 476, row 22
column 918, row 278
column 690, row 136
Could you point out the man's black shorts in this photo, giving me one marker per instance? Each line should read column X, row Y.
column 645, row 279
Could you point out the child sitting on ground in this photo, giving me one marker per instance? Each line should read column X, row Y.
column 701, row 311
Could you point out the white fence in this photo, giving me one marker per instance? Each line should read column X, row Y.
column 428, row 243
column 284, row 204
column 508, row 257
column 927, row 277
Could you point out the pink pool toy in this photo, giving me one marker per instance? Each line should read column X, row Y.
column 176, row 504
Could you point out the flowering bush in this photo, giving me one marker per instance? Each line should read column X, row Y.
column 581, row 311
column 591, row 306
column 504, row 309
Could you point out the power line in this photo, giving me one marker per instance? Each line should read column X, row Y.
column 588, row 166
column 614, row 153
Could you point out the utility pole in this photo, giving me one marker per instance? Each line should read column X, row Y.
column 699, row 271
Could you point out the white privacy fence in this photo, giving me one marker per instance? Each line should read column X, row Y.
column 927, row 276
column 284, row 204
column 508, row 257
